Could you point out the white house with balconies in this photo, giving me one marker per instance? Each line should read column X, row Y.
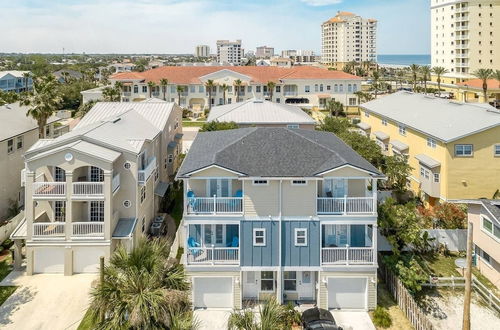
column 98, row 186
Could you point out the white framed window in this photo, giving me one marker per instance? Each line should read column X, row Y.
column 127, row 165
column 267, row 281
column 436, row 177
column 299, row 182
column 463, row 150
column 260, row 182
column 292, row 126
column 402, row 130
column 300, row 236
column 170, row 158
column 259, row 237
column 126, row 204
column 290, row 281
column 20, row 143
column 352, row 101
column 496, row 150
column 384, row 122
column 143, row 194
column 10, row 146
column 307, row 89
column 431, row 142
column 143, row 226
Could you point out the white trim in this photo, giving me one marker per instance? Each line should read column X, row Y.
column 193, row 277
column 493, row 225
column 255, row 230
column 210, row 166
column 296, row 236
column 344, row 276
column 354, row 167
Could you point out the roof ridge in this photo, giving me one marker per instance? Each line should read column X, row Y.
column 250, row 131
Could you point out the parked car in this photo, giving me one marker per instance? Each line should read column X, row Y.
column 319, row 319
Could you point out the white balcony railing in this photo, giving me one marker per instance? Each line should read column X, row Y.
column 346, row 205
column 93, row 229
column 49, row 189
column 347, row 255
column 145, row 174
column 88, row 189
column 49, row 229
column 215, row 205
column 115, row 183
column 213, row 255
column 290, row 93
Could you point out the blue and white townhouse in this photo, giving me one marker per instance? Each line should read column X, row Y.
column 279, row 212
column 15, row 81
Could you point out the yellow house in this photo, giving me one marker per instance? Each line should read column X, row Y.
column 453, row 148
column 470, row 91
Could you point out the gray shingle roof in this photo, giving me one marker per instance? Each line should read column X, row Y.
column 443, row 119
column 493, row 206
column 271, row 152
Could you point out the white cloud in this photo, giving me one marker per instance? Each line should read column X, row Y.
column 318, row 3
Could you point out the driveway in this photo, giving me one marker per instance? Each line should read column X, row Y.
column 45, row 301
column 353, row 320
column 188, row 138
column 212, row 319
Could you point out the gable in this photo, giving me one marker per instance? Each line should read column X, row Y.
column 225, row 76
column 346, row 171
column 214, row 171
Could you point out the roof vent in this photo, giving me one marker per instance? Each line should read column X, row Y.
column 258, row 101
column 114, row 121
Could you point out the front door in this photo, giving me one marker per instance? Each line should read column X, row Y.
column 306, row 285
column 219, row 187
column 337, row 187
column 251, row 285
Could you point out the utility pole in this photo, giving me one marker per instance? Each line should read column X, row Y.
column 468, row 280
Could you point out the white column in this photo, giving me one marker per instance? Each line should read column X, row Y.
column 374, row 193
column 279, row 286
column 375, row 242
column 108, row 197
column 69, row 205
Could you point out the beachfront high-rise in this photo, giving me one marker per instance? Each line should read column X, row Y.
column 202, row 51
column 465, row 36
column 348, row 37
column 229, row 52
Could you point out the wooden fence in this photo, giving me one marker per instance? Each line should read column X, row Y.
column 404, row 299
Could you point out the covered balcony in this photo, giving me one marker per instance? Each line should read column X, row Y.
column 348, row 244
column 214, row 196
column 339, row 196
column 209, row 244
column 147, row 168
column 290, row 90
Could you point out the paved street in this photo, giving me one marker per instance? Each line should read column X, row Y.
column 45, row 301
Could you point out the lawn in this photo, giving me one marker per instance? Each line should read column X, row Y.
column 5, row 269
column 384, row 299
column 177, row 210
column 439, row 265
column 189, row 123
column 86, row 323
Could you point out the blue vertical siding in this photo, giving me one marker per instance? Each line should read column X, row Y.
column 300, row 255
column 259, row 255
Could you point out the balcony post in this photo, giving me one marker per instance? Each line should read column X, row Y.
column 347, row 254
column 215, row 204
column 213, row 256
column 108, row 196
column 345, row 204
column 29, row 211
column 68, row 205
column 374, row 194
column 374, row 243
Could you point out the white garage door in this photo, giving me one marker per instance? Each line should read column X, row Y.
column 87, row 260
column 213, row 292
column 47, row 260
column 347, row 293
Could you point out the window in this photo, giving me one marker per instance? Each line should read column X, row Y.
column 496, row 149
column 436, row 177
column 341, row 88
column 144, row 89
column 126, row 165
column 97, row 211
column 10, row 146
column 278, row 100
column 170, row 158
column 127, row 204
column 299, row 182
column 20, row 142
column 136, row 89
column 259, row 237
column 402, row 130
column 335, row 88
column 316, row 87
column 431, row 142
column 173, row 88
column 143, row 224
column 307, row 89
column 260, row 182
column 267, row 281
column 290, row 281
column 300, row 237
column 59, row 211
column 295, row 126
column 352, row 101
column 278, row 89
column 384, row 122
column 257, row 89
column 487, row 225
column 463, row 150
column 201, row 89
column 143, row 193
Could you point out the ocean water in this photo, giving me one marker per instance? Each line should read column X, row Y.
column 404, row 59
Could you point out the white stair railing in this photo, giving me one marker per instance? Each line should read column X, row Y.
column 49, row 189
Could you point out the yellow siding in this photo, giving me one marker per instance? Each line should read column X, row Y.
column 214, row 172
column 299, row 200
column 261, row 200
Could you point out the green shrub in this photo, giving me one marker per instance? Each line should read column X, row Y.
column 7, row 244
column 381, row 317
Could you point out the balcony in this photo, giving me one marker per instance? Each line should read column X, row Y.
column 127, row 93
column 215, row 205
column 144, row 174
column 90, row 229
column 115, row 183
column 49, row 230
column 462, row 28
column 290, row 93
column 213, row 244
column 88, row 190
column 213, row 256
column 49, row 190
column 347, row 256
column 346, row 205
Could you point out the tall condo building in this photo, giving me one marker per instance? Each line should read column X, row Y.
column 264, row 51
column 202, row 51
column 229, row 52
column 465, row 36
column 348, row 37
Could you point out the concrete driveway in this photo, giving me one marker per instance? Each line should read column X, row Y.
column 189, row 136
column 212, row 319
column 353, row 320
column 45, row 301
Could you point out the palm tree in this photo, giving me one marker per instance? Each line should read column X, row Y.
column 496, row 75
column 439, row 71
column 400, row 74
column 151, row 85
column 335, row 108
column 426, row 73
column 272, row 316
column 209, row 85
column 180, row 90
column 484, row 75
column 43, row 101
column 26, row 76
column 119, row 89
column 224, row 90
column 84, row 108
column 111, row 94
column 376, row 81
column 363, row 97
column 270, row 87
column 414, row 68
column 237, row 85
column 164, row 84
column 143, row 289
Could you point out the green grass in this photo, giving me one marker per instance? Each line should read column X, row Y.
column 177, row 210
column 481, row 278
column 384, row 299
column 5, row 269
column 439, row 265
column 189, row 123
column 86, row 323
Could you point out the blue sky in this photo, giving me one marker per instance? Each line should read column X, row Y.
column 177, row 26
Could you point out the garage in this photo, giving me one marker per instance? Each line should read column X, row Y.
column 347, row 293
column 48, row 260
column 86, row 260
column 213, row 292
